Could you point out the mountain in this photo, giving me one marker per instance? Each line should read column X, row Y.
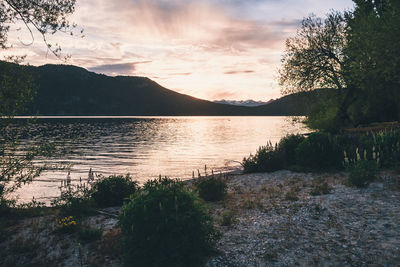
column 245, row 103
column 70, row 90
column 297, row 104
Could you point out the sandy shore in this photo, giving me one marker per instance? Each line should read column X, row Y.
column 275, row 220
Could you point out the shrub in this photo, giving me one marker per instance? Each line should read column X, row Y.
column 211, row 188
column 319, row 151
column 74, row 200
column 287, row 148
column 89, row 234
column 113, row 190
column 66, row 225
column 165, row 225
column 227, row 218
column 320, row 188
column 291, row 195
column 362, row 172
column 265, row 160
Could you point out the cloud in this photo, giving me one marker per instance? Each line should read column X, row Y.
column 180, row 74
column 238, row 71
column 220, row 94
column 117, row 69
column 198, row 46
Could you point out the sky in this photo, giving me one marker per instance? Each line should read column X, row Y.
column 210, row 49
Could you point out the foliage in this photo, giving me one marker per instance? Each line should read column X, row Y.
column 362, row 173
column 89, row 234
column 113, row 190
column 287, row 148
column 326, row 152
column 320, row 188
column 355, row 52
column 66, row 224
column 227, row 218
column 74, row 200
column 46, row 17
column 165, row 225
column 266, row 159
column 314, row 58
column 292, row 195
column 319, row 152
column 372, row 48
column 211, row 188
column 17, row 88
column 381, row 147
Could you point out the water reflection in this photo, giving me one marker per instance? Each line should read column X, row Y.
column 147, row 147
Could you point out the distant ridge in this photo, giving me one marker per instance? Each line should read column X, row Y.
column 70, row 90
column 65, row 90
column 245, row 103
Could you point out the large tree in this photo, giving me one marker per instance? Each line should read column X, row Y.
column 315, row 58
column 374, row 54
column 356, row 53
column 44, row 16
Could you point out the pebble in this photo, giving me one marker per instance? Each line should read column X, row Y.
column 348, row 227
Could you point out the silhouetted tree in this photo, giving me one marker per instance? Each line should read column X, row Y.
column 17, row 87
column 356, row 53
column 373, row 51
column 315, row 58
column 44, row 16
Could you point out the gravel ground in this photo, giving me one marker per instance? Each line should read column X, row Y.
column 347, row 227
column 276, row 219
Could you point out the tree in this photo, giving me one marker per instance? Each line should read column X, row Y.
column 44, row 16
column 356, row 53
column 373, row 50
column 314, row 59
column 17, row 88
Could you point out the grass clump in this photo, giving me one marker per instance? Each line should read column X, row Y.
column 166, row 225
column 89, row 234
column 362, row 173
column 211, row 188
column 113, row 190
column 291, row 195
column 320, row 188
column 270, row 256
column 227, row 218
column 75, row 200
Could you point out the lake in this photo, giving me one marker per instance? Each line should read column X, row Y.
column 147, row 147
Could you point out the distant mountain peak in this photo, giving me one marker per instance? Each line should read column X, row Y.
column 246, row 103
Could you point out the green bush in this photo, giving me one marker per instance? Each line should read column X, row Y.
column 227, row 218
column 287, row 148
column 165, row 225
column 319, row 151
column 292, row 195
column 113, row 190
column 265, row 160
column 320, row 188
column 89, row 234
column 74, row 200
column 211, row 188
column 362, row 173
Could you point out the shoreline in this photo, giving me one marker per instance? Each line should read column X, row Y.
column 345, row 227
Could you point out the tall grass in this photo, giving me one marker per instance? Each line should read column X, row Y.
column 321, row 152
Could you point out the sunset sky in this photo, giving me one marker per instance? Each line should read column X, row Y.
column 211, row 49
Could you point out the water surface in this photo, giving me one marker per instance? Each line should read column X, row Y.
column 146, row 147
